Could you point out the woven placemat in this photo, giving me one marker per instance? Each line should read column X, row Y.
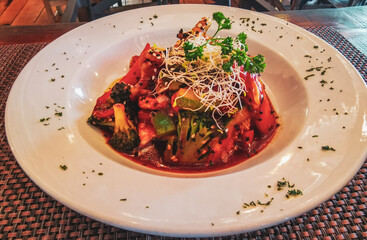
column 26, row 212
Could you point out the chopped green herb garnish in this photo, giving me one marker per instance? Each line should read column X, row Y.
column 327, row 148
column 251, row 204
column 293, row 193
column 318, row 69
column 265, row 204
column 245, row 20
column 284, row 183
column 308, row 76
column 281, row 184
column 63, row 167
column 44, row 119
column 323, row 82
column 323, row 72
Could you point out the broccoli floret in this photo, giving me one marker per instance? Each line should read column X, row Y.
column 125, row 136
column 195, row 132
column 120, row 93
column 99, row 122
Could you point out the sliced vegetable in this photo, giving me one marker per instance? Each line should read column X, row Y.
column 154, row 102
column 265, row 119
column 103, row 109
column 133, row 75
column 194, row 136
column 254, row 89
column 224, row 147
column 162, row 123
column 186, row 99
column 247, row 138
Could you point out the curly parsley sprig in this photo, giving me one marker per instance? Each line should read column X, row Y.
column 235, row 55
column 192, row 53
column 223, row 22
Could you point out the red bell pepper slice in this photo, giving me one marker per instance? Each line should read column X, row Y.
column 254, row 88
column 103, row 109
column 247, row 138
column 133, row 75
column 265, row 117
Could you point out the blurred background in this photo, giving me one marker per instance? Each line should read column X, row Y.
column 41, row 12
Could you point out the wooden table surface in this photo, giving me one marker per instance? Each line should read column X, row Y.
column 351, row 22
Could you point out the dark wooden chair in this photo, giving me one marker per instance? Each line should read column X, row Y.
column 357, row 3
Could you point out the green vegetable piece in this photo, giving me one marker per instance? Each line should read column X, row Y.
column 191, row 52
column 242, row 39
column 227, row 46
column 163, row 124
column 125, row 136
column 251, row 64
column 194, row 137
column 223, row 22
column 187, row 100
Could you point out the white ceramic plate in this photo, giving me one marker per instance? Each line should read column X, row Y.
column 70, row 73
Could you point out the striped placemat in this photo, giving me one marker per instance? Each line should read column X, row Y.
column 26, row 212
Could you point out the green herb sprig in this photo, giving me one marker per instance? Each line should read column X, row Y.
column 239, row 56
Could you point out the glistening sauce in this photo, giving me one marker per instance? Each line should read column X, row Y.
column 150, row 160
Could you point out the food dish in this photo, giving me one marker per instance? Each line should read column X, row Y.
column 196, row 106
column 327, row 109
